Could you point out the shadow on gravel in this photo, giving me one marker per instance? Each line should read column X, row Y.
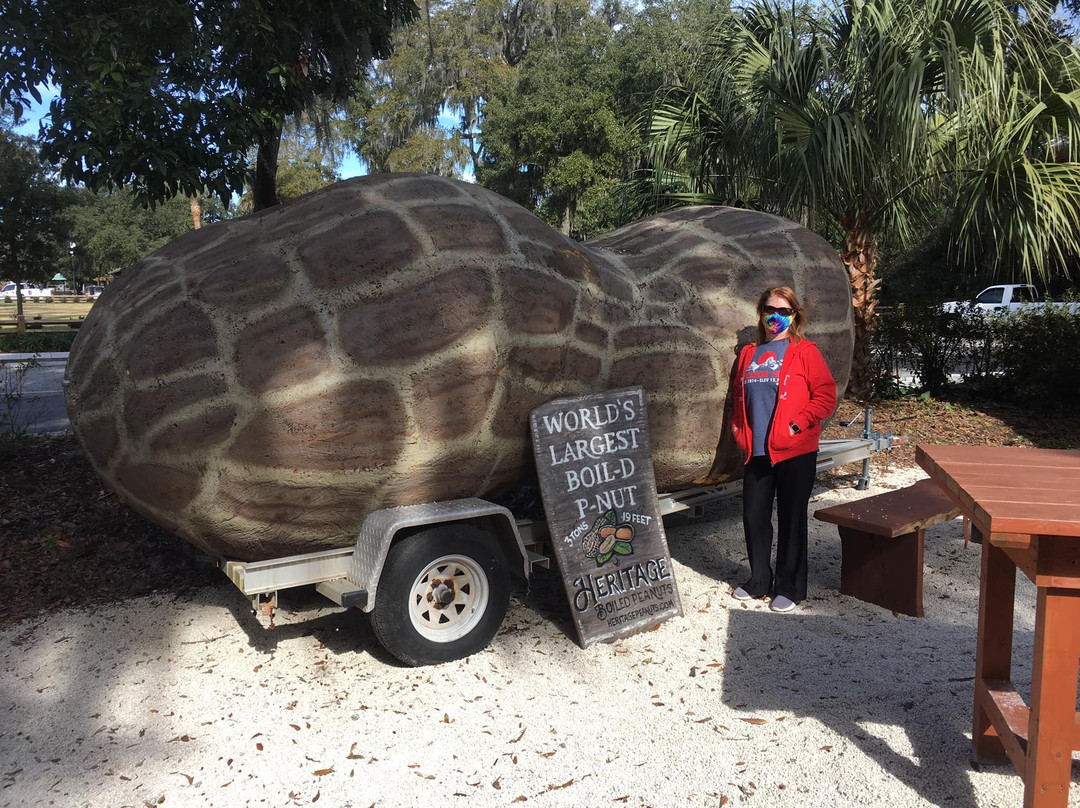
column 81, row 673
column 877, row 680
column 850, row 689
column 545, row 598
column 303, row 612
column 851, row 673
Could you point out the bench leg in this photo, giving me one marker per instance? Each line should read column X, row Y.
column 883, row 571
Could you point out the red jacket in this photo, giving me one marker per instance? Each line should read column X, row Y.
column 807, row 396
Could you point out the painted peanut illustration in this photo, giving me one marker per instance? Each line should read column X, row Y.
column 607, row 540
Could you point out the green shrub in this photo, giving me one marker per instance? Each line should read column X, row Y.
column 889, row 344
column 39, row 342
column 1036, row 352
column 922, row 338
column 1026, row 355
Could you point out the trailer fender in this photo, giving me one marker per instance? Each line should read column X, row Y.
column 382, row 526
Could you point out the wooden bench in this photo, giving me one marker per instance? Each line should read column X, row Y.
column 882, row 541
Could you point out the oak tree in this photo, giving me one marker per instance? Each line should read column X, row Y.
column 168, row 96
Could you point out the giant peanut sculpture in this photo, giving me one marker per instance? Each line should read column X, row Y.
column 261, row 385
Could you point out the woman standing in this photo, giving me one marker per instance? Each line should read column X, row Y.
column 783, row 391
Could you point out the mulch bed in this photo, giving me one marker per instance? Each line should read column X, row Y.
column 960, row 421
column 66, row 541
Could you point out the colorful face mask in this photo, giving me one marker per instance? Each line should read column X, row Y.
column 776, row 323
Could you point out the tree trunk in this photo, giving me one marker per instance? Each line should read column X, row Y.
column 264, row 190
column 861, row 261
column 196, row 212
column 18, row 301
column 472, row 137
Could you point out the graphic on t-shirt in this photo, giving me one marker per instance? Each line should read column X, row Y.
column 768, row 360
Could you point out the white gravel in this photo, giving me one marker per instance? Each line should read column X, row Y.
column 161, row 701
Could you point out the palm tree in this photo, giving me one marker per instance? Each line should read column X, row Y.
column 859, row 118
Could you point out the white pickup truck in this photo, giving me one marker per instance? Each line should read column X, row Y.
column 28, row 290
column 1005, row 297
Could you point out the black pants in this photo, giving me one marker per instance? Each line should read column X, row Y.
column 790, row 483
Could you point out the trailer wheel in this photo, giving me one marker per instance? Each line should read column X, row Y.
column 442, row 595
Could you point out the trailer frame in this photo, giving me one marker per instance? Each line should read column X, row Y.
column 349, row 576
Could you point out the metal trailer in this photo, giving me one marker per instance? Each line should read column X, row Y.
column 436, row 577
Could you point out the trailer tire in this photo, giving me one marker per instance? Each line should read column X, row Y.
column 442, row 595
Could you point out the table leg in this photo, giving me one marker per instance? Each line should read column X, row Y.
column 993, row 655
column 1053, row 698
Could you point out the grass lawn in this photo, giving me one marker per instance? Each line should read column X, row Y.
column 47, row 311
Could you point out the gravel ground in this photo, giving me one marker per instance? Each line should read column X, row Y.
column 189, row 701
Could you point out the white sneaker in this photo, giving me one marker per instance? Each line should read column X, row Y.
column 741, row 594
column 782, row 604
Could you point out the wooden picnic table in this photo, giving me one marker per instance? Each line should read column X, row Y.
column 1026, row 505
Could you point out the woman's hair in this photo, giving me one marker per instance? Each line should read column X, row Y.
column 798, row 319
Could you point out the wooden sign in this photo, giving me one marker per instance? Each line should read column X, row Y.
column 595, row 466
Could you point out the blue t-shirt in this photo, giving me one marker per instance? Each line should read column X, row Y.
column 761, row 386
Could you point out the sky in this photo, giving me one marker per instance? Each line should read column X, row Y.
column 31, row 116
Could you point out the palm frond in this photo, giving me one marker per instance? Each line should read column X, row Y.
column 875, row 111
column 1022, row 204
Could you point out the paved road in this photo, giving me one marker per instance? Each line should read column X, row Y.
column 32, row 393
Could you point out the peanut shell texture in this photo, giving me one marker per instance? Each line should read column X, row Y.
column 259, row 386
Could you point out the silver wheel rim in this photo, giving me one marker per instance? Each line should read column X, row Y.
column 448, row 598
